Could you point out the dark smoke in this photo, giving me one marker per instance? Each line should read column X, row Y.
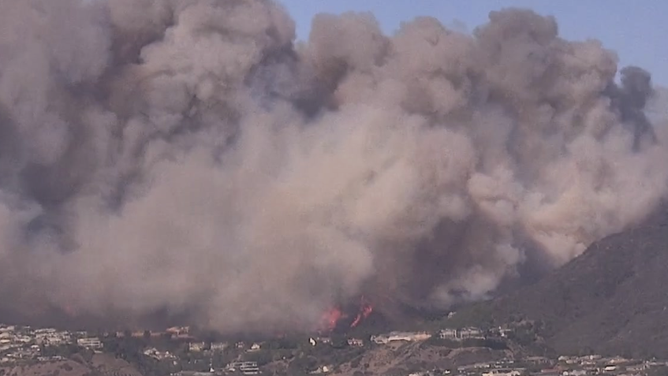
column 186, row 160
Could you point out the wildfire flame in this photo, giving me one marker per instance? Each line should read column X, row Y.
column 331, row 318
column 365, row 310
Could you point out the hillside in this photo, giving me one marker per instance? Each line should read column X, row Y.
column 100, row 364
column 612, row 299
column 402, row 359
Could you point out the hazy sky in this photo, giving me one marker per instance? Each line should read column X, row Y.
column 636, row 29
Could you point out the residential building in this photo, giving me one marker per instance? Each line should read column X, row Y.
column 400, row 336
column 448, row 334
column 196, row 346
column 178, row 330
column 502, row 372
column 246, row 368
column 218, row 346
column 471, row 333
column 92, row 343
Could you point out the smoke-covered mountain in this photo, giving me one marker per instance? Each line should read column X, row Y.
column 186, row 159
column 612, row 299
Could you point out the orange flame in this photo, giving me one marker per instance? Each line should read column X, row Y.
column 331, row 318
column 365, row 310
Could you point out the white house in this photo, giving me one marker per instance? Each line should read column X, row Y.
column 448, row 334
column 470, row 332
column 501, row 372
column 90, row 343
column 400, row 336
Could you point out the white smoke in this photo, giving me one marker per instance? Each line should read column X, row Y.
column 183, row 155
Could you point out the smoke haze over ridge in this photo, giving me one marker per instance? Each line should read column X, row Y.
column 185, row 156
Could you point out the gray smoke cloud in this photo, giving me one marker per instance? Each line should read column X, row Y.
column 188, row 157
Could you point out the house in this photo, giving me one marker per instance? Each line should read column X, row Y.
column 246, row 368
column 152, row 352
column 504, row 332
column 178, row 330
column 380, row 339
column 568, row 359
column 92, row 343
column 218, row 346
column 637, row 368
column 323, row 369
column 159, row 355
column 7, row 328
column 44, row 331
column 537, row 360
column 471, row 333
column 502, row 372
column 448, row 334
column 400, row 336
column 590, row 358
column 618, row 360
column 22, row 339
column 551, row 372
column 51, row 337
column 196, row 346
column 255, row 347
column 461, row 334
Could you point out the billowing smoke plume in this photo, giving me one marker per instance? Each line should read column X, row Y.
column 188, row 158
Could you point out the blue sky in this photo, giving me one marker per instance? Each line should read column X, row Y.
column 636, row 29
